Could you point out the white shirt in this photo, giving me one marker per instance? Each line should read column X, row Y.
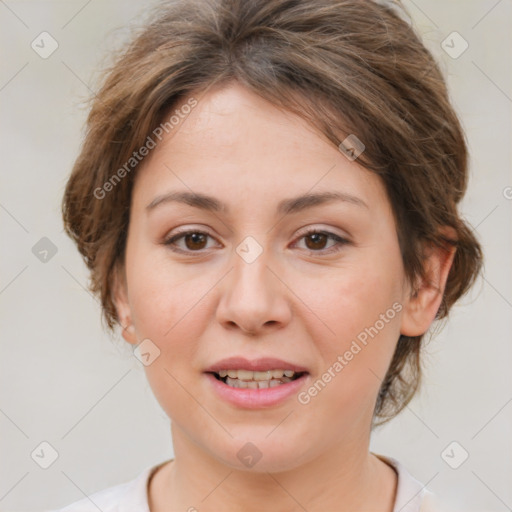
column 132, row 496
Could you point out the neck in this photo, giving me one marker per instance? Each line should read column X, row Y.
column 346, row 478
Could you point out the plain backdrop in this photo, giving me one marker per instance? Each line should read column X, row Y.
column 63, row 381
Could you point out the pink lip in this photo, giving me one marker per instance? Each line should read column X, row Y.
column 256, row 398
column 256, row 365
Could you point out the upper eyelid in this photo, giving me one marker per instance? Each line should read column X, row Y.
column 302, row 232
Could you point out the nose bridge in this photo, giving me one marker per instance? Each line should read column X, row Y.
column 251, row 278
column 252, row 296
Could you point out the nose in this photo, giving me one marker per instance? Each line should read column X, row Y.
column 254, row 299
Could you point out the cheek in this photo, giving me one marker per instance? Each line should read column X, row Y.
column 169, row 307
column 171, row 310
column 354, row 298
column 359, row 307
column 163, row 295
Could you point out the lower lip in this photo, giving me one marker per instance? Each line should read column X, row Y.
column 256, row 398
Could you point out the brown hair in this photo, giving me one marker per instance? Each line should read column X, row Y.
column 347, row 66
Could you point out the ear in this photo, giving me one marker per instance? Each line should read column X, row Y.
column 120, row 299
column 420, row 307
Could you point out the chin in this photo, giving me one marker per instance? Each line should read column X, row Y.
column 259, row 454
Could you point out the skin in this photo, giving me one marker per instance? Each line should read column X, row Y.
column 296, row 302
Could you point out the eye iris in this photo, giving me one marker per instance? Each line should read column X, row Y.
column 318, row 239
column 197, row 238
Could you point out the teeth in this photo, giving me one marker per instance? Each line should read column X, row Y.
column 248, row 379
column 244, row 375
column 257, row 376
column 263, row 375
column 253, row 384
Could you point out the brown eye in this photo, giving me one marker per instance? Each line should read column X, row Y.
column 315, row 241
column 318, row 241
column 194, row 241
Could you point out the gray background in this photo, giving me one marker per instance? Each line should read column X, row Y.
column 64, row 381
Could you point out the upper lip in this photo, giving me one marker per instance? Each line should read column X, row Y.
column 256, row 365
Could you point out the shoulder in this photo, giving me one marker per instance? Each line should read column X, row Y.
column 107, row 500
column 129, row 496
column 411, row 494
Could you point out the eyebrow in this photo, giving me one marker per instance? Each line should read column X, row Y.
column 285, row 207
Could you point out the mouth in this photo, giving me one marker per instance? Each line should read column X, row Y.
column 247, row 379
column 256, row 383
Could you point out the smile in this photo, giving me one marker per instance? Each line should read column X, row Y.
column 257, row 394
column 256, row 380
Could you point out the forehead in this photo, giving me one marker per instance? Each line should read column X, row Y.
column 233, row 142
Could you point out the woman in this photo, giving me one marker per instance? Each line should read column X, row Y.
column 266, row 199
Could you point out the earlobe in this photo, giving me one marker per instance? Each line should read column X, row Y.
column 128, row 333
column 422, row 304
column 120, row 299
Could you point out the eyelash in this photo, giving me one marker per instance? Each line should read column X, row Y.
column 340, row 240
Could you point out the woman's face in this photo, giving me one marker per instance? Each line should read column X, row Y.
column 252, row 283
